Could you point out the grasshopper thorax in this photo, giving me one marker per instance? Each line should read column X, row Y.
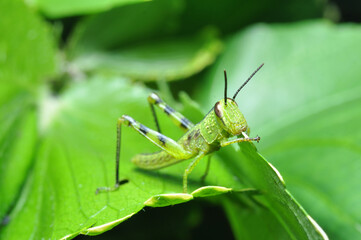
column 230, row 117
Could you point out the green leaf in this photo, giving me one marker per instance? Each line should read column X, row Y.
column 121, row 27
column 77, row 156
column 146, row 50
column 22, row 35
column 18, row 136
column 21, row 74
column 250, row 220
column 254, row 171
column 232, row 15
column 66, row 8
column 169, row 59
column 304, row 104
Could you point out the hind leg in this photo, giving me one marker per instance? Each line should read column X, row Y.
column 167, row 144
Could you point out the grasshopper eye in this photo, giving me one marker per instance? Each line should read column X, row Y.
column 218, row 110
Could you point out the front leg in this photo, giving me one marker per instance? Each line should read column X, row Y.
column 237, row 140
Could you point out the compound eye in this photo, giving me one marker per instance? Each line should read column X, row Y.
column 218, row 110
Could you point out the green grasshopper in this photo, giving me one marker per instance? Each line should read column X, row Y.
column 222, row 122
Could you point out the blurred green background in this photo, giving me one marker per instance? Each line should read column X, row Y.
column 68, row 69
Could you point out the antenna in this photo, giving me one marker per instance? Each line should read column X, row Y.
column 244, row 84
column 225, row 87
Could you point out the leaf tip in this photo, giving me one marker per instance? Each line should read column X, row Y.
column 208, row 191
column 163, row 200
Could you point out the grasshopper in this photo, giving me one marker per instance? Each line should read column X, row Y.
column 223, row 122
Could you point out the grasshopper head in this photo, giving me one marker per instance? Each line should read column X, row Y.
column 230, row 117
column 228, row 113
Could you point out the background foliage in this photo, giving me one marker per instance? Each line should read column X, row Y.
column 69, row 69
